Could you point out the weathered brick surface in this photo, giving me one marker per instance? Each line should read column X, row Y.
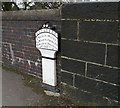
column 18, row 30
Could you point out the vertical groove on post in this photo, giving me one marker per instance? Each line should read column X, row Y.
column 86, row 69
column 105, row 54
column 78, row 30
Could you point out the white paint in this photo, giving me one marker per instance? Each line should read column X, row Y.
column 47, row 53
column 50, row 93
column 24, row 60
column 47, row 44
column 49, row 67
column 38, row 60
column 49, row 72
column 11, row 51
column 29, row 62
column 36, row 63
column 47, row 39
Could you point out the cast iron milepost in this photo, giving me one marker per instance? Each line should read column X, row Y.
column 47, row 44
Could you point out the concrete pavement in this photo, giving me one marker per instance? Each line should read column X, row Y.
column 14, row 93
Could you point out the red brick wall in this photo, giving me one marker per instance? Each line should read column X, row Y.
column 18, row 38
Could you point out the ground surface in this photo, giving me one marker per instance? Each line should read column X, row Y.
column 14, row 91
column 24, row 90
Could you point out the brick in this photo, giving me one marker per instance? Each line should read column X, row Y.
column 84, row 51
column 99, row 31
column 69, row 29
column 67, row 78
column 73, row 66
column 96, row 87
column 32, row 65
column 105, row 10
column 113, row 55
column 103, row 73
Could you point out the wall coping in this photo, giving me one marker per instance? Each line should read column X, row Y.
column 32, row 15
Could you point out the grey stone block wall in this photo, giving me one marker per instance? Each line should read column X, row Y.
column 90, row 53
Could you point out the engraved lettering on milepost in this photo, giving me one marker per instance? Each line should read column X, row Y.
column 47, row 39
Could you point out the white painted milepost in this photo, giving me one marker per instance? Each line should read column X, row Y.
column 47, row 44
